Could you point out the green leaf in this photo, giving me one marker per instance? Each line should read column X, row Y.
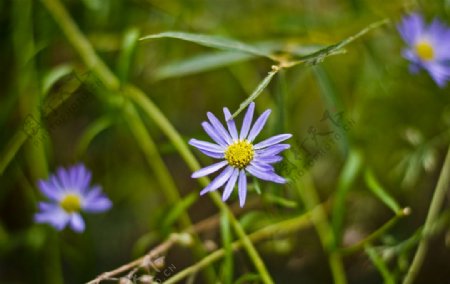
column 178, row 210
column 379, row 264
column 256, row 185
column 256, row 92
column 379, row 192
column 54, row 75
column 91, row 132
column 248, row 278
column 200, row 63
column 348, row 175
column 126, row 56
column 280, row 201
column 227, row 266
column 211, row 41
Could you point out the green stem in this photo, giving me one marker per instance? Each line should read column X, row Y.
column 375, row 235
column 436, row 204
column 87, row 53
column 319, row 218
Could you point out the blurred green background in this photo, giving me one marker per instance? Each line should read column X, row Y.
column 399, row 127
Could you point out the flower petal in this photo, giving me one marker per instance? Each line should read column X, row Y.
column 231, row 124
column 97, row 204
column 82, row 178
column 64, row 178
column 212, row 154
column 411, row 28
column 259, row 124
column 219, row 128
column 265, row 175
column 219, row 180
column 269, row 159
column 206, row 146
column 49, row 190
column 77, row 222
column 272, row 150
column 247, row 121
column 242, row 188
column 213, row 134
column 272, row 140
column 56, row 217
column 264, row 167
column 439, row 73
column 230, row 185
column 209, row 169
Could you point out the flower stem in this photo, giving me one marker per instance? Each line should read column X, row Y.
column 310, row 197
column 436, row 204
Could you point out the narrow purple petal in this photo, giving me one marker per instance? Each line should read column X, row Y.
column 272, row 150
column 219, row 128
column 56, row 217
column 213, row 134
column 219, row 180
column 230, row 185
column 262, row 166
column 411, row 28
column 49, row 190
column 269, row 159
column 272, row 141
column 94, row 192
column 64, row 178
column 56, row 184
column 265, row 175
column 259, row 124
column 206, row 146
column 83, row 178
column 97, row 204
column 242, row 186
column 212, row 154
column 44, row 206
column 247, row 121
column 209, row 169
column 439, row 73
column 231, row 124
column 77, row 222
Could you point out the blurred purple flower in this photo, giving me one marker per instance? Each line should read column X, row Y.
column 239, row 154
column 428, row 47
column 69, row 193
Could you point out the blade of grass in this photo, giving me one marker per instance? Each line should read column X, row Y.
column 379, row 192
column 200, row 63
column 128, row 49
column 227, row 266
column 347, row 177
column 379, row 264
column 211, row 41
column 259, row 89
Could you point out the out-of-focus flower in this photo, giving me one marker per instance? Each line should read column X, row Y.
column 428, row 46
column 238, row 153
column 69, row 192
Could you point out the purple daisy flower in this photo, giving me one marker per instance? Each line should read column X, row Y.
column 239, row 154
column 428, row 47
column 69, row 193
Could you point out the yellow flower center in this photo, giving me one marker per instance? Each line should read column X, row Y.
column 240, row 154
column 424, row 50
column 71, row 203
